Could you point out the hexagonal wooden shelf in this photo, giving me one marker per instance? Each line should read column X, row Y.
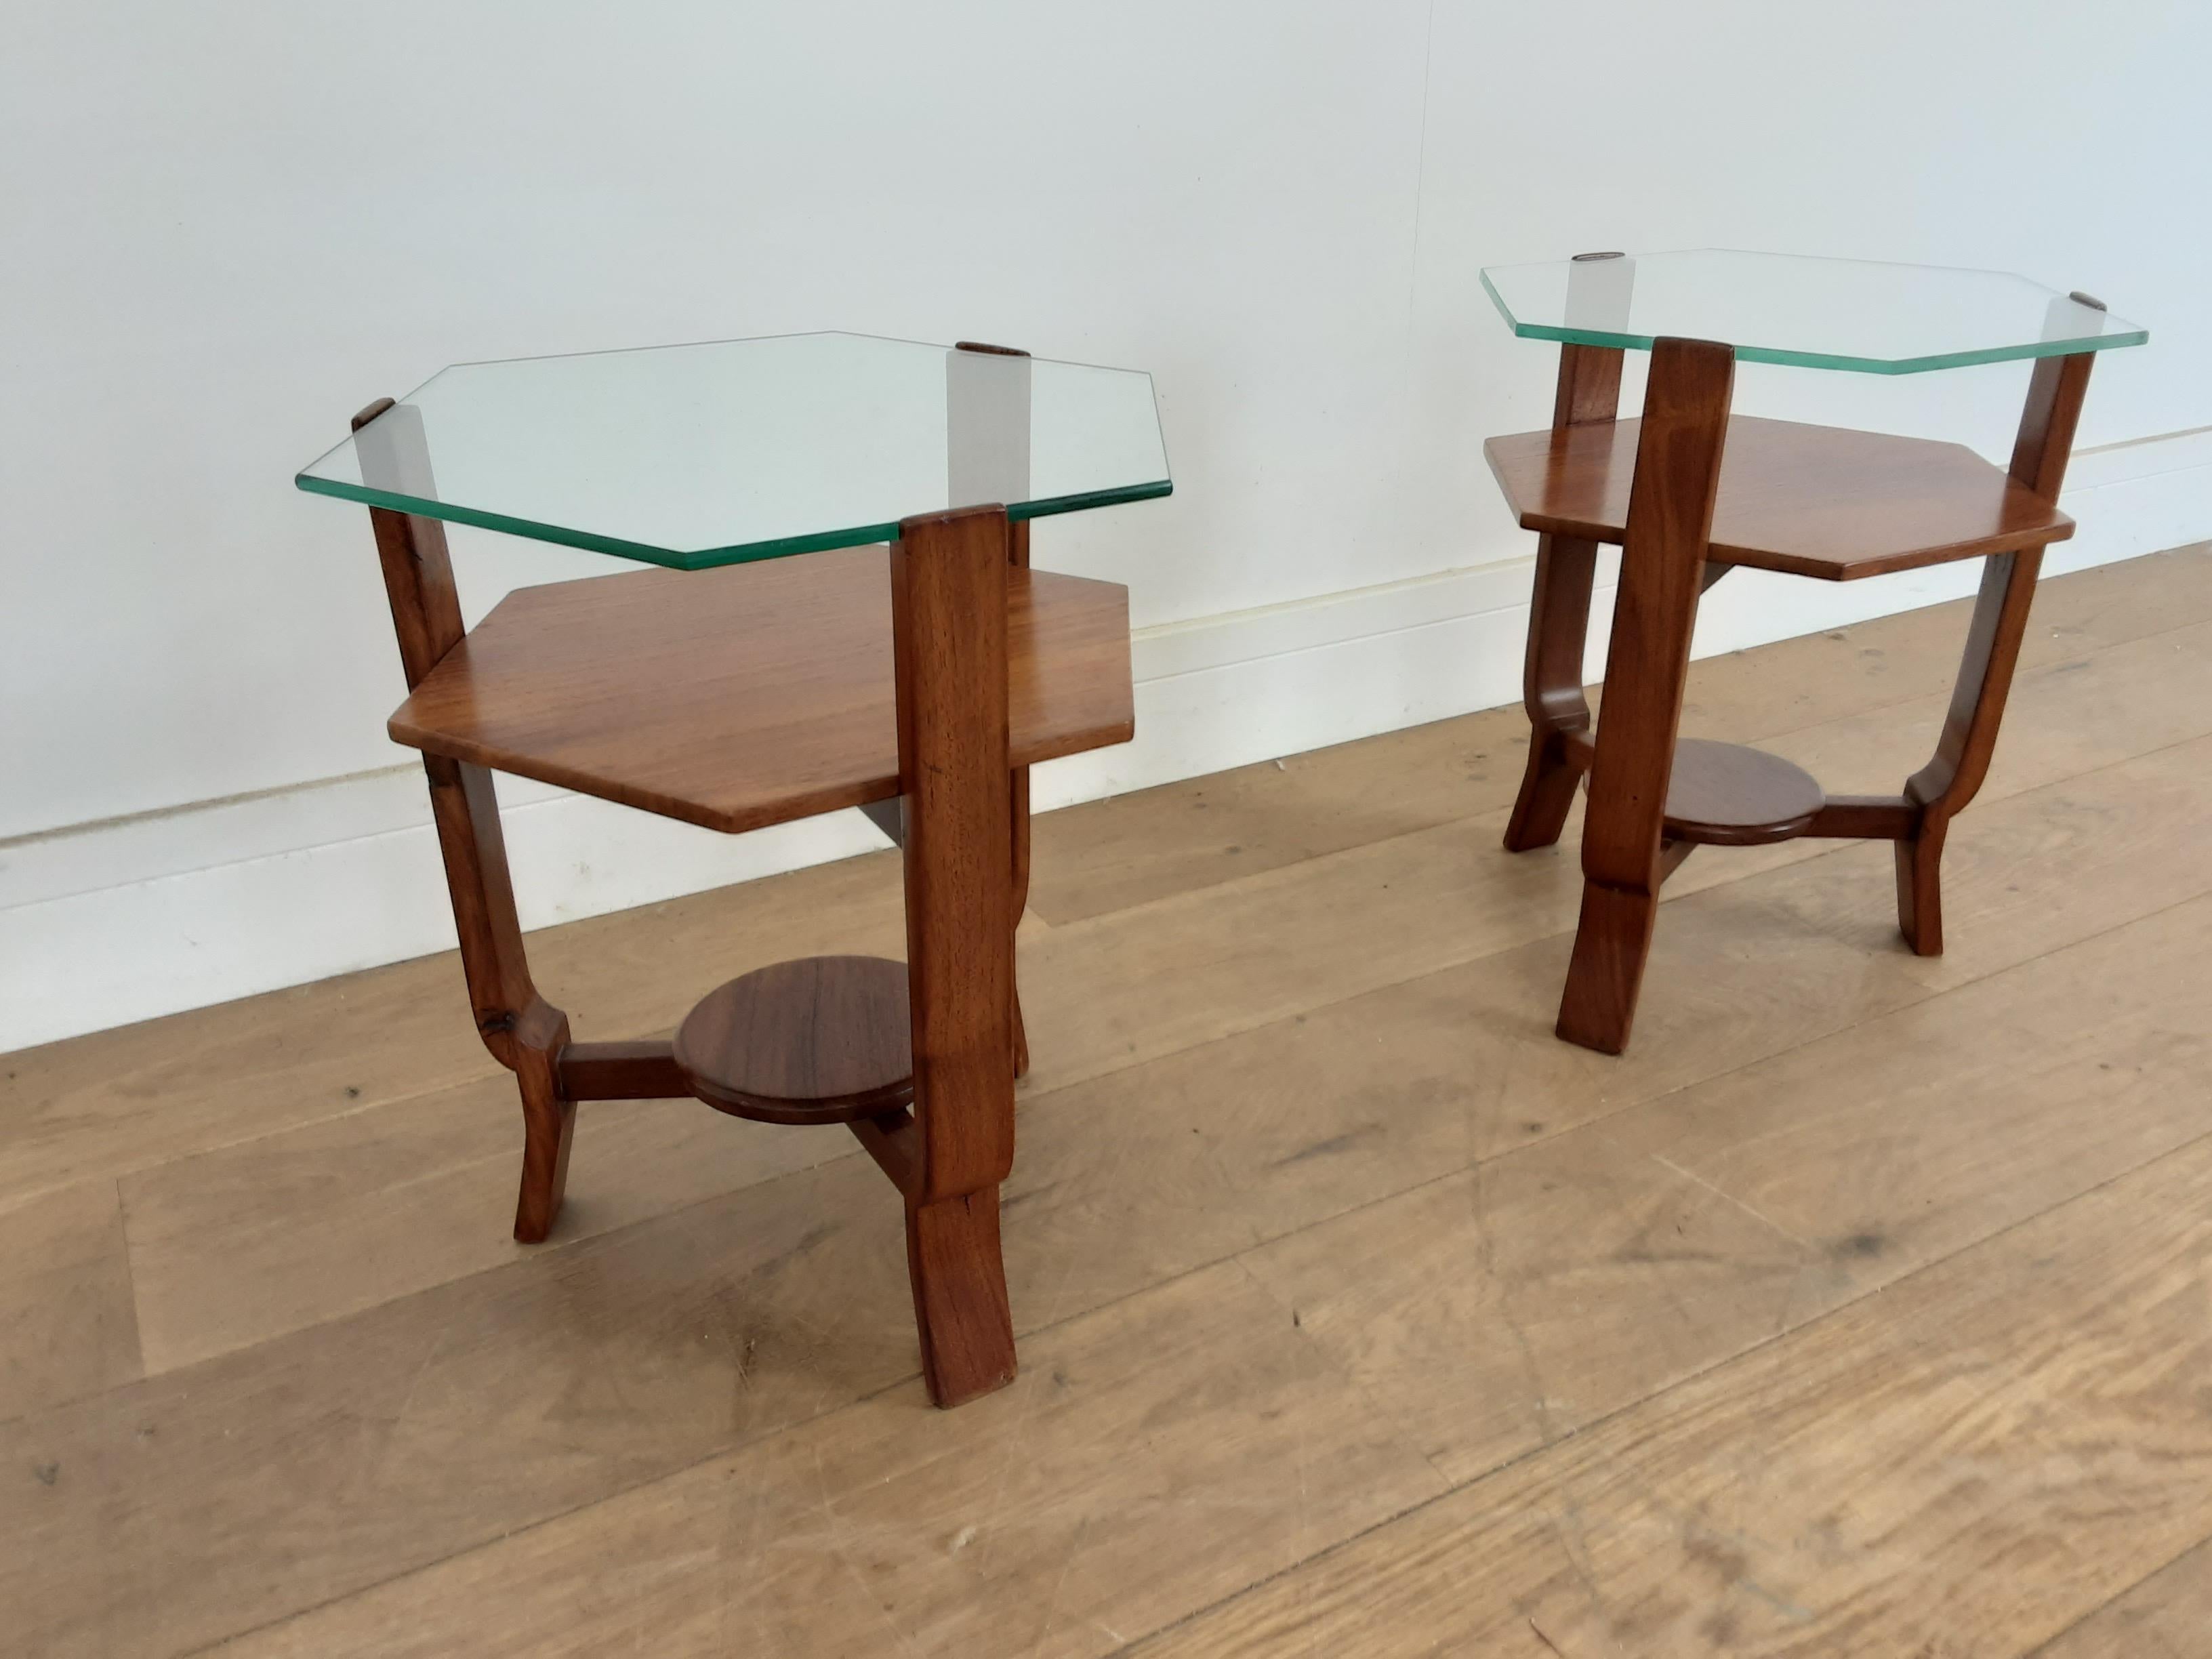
column 750, row 696
column 1811, row 501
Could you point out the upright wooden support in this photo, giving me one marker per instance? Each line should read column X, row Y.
column 949, row 642
column 1670, row 514
column 1939, row 791
column 524, row 1032
column 1558, row 624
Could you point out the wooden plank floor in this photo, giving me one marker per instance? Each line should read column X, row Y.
column 1864, row 1308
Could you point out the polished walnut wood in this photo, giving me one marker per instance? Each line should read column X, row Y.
column 819, row 1040
column 1941, row 789
column 1589, row 392
column 750, row 696
column 1864, row 817
column 621, row 1071
column 917, row 682
column 524, row 1032
column 1729, row 794
column 952, row 646
column 559, row 1433
column 1809, row 501
column 1803, row 500
column 1669, row 523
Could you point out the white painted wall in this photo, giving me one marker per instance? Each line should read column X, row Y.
column 229, row 224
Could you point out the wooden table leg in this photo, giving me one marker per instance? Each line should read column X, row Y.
column 524, row 1032
column 1939, row 791
column 1558, row 625
column 949, row 640
column 1670, row 515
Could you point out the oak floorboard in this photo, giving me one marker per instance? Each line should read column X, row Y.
column 219, row 1496
column 1180, row 1160
column 248, row 1242
column 67, row 1326
column 2166, row 1616
column 1962, row 1466
column 1230, row 1144
column 1195, row 966
column 118, row 1101
column 2083, row 715
column 1152, row 843
column 114, row 1102
column 1506, row 1307
column 1108, row 1530
column 1085, row 1227
column 450, row 1407
column 1150, row 1455
column 1512, row 1306
column 1896, row 1141
column 1915, row 654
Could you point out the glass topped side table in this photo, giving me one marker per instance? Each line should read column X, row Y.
column 740, row 685
column 1690, row 491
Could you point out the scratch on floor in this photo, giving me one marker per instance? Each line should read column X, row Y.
column 1052, row 1605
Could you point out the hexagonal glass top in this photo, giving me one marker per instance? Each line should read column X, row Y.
column 694, row 456
column 1814, row 313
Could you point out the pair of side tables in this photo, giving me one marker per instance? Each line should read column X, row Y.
column 914, row 666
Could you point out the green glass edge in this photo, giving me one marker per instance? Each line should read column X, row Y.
column 1816, row 360
column 711, row 558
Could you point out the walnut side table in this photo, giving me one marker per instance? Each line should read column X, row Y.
column 1690, row 491
column 911, row 664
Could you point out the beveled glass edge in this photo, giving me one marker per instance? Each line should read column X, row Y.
column 711, row 558
column 751, row 339
column 1747, row 353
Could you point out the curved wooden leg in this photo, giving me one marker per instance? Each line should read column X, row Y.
column 1552, row 689
column 1589, row 390
column 960, row 1307
column 1670, row 514
column 524, row 1032
column 1919, row 888
column 548, row 1122
column 1942, row 789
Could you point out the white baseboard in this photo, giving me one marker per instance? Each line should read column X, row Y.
column 110, row 923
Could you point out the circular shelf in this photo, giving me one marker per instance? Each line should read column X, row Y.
column 1724, row 794
column 822, row 1040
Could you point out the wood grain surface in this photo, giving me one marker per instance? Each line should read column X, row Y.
column 746, row 696
column 816, row 1040
column 1730, row 794
column 1859, row 1308
column 1813, row 500
column 1678, row 467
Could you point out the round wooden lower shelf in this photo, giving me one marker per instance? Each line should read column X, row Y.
column 1725, row 794
column 822, row 1040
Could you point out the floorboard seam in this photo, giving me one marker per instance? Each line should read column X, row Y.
column 1449, row 1489
column 2048, row 1643
column 1038, row 1100
column 1742, row 1354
